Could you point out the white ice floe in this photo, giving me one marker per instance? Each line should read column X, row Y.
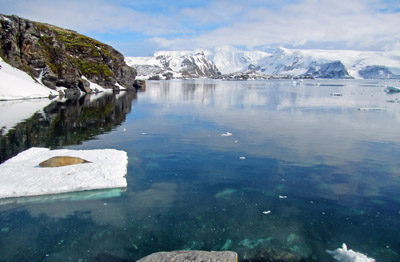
column 16, row 84
column 266, row 212
column 347, row 255
column 242, row 158
column 282, row 197
column 371, row 108
column 226, row 134
column 22, row 175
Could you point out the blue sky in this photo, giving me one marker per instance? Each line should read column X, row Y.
column 141, row 27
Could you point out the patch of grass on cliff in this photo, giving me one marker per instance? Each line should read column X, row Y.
column 51, row 52
column 93, row 68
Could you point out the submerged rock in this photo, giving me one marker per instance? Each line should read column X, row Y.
column 192, row 256
column 264, row 254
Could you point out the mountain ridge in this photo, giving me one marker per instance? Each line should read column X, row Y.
column 283, row 62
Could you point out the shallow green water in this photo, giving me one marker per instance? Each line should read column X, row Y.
column 328, row 172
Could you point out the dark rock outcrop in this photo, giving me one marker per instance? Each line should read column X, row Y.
column 334, row 69
column 61, row 57
column 377, row 72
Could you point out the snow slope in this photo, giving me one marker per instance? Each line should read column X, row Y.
column 16, row 84
column 229, row 59
column 22, row 176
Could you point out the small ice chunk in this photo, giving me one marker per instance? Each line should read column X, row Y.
column 226, row 134
column 347, row 255
column 371, row 108
column 266, row 212
column 282, row 197
column 242, row 158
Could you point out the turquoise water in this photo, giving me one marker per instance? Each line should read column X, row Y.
column 303, row 171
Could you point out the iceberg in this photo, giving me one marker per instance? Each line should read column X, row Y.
column 22, row 176
column 347, row 255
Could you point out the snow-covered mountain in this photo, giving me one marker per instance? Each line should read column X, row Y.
column 229, row 59
column 173, row 64
column 357, row 64
column 282, row 62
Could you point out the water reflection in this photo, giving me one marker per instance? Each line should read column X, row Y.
column 67, row 122
column 335, row 167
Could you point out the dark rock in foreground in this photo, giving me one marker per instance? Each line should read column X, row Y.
column 191, row 256
column 61, row 57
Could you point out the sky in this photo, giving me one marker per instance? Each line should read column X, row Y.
column 142, row 27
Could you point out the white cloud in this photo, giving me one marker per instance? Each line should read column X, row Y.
column 93, row 15
column 355, row 24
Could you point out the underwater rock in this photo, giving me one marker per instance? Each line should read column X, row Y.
column 264, row 254
column 191, row 255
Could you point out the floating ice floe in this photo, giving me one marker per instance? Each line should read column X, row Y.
column 242, row 158
column 397, row 100
column 22, row 175
column 347, row 255
column 371, row 108
column 282, row 197
column 226, row 134
column 266, row 212
column 392, row 89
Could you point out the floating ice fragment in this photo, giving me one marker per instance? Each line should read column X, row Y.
column 266, row 212
column 236, row 141
column 392, row 89
column 226, row 134
column 282, row 197
column 397, row 100
column 371, row 108
column 144, row 133
column 242, row 158
column 347, row 255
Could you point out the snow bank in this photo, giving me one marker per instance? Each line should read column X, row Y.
column 22, row 176
column 16, row 111
column 16, row 84
column 347, row 255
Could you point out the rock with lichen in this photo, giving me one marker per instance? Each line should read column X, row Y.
column 61, row 57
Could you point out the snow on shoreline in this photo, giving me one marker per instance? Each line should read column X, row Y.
column 16, row 84
column 15, row 111
column 21, row 175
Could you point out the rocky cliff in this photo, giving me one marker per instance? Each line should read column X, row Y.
column 61, row 57
column 334, row 69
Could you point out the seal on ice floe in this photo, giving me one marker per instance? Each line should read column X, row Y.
column 62, row 161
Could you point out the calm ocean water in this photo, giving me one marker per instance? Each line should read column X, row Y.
column 251, row 167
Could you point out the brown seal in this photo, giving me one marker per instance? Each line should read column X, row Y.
column 62, row 161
